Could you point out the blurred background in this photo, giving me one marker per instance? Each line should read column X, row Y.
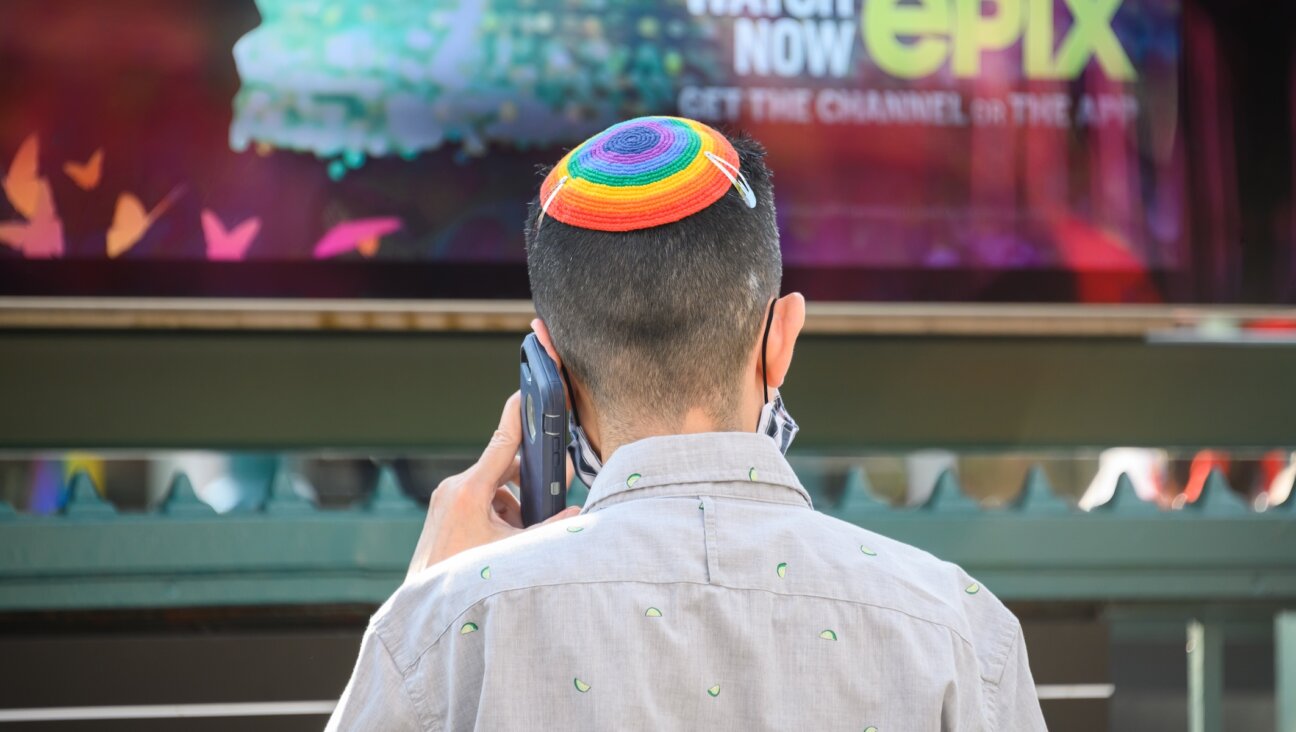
column 262, row 288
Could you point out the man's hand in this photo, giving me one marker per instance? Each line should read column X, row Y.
column 474, row 507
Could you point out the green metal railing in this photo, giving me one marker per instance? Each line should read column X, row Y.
column 1216, row 557
column 1033, row 547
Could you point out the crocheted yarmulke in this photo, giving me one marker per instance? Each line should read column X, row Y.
column 640, row 173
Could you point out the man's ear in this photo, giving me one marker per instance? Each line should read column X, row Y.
column 542, row 335
column 789, row 318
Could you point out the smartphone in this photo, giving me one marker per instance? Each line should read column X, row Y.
column 544, row 435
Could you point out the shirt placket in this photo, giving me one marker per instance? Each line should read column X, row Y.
column 707, row 507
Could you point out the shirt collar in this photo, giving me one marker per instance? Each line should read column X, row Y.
column 731, row 464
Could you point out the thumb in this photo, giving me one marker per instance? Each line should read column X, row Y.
column 497, row 459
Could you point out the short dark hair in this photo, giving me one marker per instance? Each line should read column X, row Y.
column 662, row 318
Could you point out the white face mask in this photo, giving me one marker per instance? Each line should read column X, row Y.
column 774, row 421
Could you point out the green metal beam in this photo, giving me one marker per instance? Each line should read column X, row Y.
column 1285, row 671
column 1205, row 676
column 90, row 559
column 399, row 390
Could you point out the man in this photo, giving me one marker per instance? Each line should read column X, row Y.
column 696, row 588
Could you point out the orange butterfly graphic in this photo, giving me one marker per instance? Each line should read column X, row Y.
column 87, row 174
column 131, row 221
column 41, row 235
column 228, row 245
column 368, row 246
column 22, row 184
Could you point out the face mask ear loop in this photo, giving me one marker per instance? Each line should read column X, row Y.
column 764, row 341
column 571, row 395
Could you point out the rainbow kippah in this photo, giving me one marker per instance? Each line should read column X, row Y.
column 641, row 173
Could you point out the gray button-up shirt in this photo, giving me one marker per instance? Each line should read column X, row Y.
column 698, row 589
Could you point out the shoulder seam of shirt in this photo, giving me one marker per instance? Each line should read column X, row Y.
column 996, row 683
column 1008, row 629
column 417, row 701
column 1008, row 635
column 419, row 656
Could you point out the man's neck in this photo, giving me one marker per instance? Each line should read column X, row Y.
column 614, row 433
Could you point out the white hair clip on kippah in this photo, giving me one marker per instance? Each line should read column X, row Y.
column 544, row 209
column 735, row 176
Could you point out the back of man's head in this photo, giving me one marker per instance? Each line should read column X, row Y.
column 657, row 321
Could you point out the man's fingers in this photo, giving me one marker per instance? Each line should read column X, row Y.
column 498, row 456
column 513, row 474
column 563, row 514
column 506, row 506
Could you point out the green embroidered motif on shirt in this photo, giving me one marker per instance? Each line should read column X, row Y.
column 781, row 570
column 581, row 686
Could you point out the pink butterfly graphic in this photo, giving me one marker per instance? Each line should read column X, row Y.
column 41, row 236
column 361, row 235
column 225, row 245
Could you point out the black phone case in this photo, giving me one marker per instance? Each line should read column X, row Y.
column 544, row 435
